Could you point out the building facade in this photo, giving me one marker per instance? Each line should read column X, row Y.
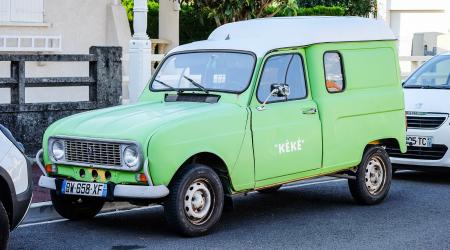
column 421, row 26
column 59, row 27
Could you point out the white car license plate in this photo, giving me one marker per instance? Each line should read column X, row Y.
column 419, row 141
column 84, row 188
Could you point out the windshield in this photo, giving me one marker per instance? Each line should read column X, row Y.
column 215, row 71
column 433, row 74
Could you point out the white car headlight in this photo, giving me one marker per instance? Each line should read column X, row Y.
column 57, row 148
column 131, row 156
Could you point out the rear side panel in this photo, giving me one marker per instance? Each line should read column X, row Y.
column 370, row 108
column 14, row 163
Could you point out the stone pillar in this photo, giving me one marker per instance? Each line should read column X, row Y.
column 107, row 72
column 139, row 52
column 169, row 22
column 384, row 11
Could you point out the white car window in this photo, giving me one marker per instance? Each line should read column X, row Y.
column 434, row 74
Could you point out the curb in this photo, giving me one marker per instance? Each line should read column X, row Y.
column 44, row 211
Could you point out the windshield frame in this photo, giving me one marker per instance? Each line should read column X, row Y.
column 405, row 86
column 203, row 51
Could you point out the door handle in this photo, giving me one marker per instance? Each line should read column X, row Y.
column 310, row 111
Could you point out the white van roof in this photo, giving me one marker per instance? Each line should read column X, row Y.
column 265, row 34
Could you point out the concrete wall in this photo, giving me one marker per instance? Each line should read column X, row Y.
column 410, row 18
column 169, row 22
column 81, row 24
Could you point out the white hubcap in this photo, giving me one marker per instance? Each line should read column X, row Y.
column 375, row 175
column 197, row 201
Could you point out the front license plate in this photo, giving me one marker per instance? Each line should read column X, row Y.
column 84, row 188
column 419, row 141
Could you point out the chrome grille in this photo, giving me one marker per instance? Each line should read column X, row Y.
column 425, row 122
column 92, row 152
column 436, row 152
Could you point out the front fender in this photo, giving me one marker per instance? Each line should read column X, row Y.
column 219, row 131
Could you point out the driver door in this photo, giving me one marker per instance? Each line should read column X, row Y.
column 287, row 131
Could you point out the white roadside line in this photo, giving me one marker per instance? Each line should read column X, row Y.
column 40, row 204
column 99, row 215
column 42, row 223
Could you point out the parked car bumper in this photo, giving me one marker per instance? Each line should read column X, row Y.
column 439, row 152
column 120, row 191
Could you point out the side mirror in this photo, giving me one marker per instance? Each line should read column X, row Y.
column 278, row 90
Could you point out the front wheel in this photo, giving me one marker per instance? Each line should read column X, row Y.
column 196, row 200
column 75, row 207
column 373, row 177
column 4, row 227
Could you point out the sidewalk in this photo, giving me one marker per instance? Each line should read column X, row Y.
column 39, row 194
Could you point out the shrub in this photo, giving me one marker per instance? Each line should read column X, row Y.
column 197, row 24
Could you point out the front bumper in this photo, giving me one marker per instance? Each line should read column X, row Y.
column 441, row 136
column 120, row 191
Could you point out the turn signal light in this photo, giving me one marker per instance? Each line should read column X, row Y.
column 50, row 168
column 141, row 178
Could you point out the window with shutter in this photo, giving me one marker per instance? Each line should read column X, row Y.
column 29, row 11
column 5, row 10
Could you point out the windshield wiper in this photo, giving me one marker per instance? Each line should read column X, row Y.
column 167, row 85
column 196, row 84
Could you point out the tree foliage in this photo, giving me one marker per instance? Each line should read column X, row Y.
column 197, row 20
column 225, row 11
column 352, row 7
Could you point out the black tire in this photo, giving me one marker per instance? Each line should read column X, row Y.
column 75, row 207
column 194, row 191
column 4, row 227
column 374, row 189
column 270, row 189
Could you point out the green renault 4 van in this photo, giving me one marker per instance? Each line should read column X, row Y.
column 258, row 104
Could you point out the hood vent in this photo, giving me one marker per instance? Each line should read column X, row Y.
column 207, row 98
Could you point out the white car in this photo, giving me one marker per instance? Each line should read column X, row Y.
column 427, row 100
column 15, row 184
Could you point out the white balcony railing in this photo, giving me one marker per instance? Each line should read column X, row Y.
column 19, row 43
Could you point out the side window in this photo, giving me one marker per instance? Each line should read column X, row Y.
column 334, row 75
column 282, row 69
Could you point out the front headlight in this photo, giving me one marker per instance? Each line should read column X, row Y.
column 57, row 148
column 131, row 156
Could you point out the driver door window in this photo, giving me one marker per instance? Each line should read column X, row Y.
column 282, row 69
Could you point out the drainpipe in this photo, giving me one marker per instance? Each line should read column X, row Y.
column 139, row 52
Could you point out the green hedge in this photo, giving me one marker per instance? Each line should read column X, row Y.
column 195, row 25
column 321, row 11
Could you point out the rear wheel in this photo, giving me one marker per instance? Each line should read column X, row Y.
column 373, row 177
column 196, row 200
column 4, row 227
column 270, row 189
column 75, row 207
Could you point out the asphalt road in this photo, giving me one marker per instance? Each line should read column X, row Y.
column 416, row 215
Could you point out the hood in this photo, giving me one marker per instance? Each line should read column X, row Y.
column 135, row 122
column 427, row 100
